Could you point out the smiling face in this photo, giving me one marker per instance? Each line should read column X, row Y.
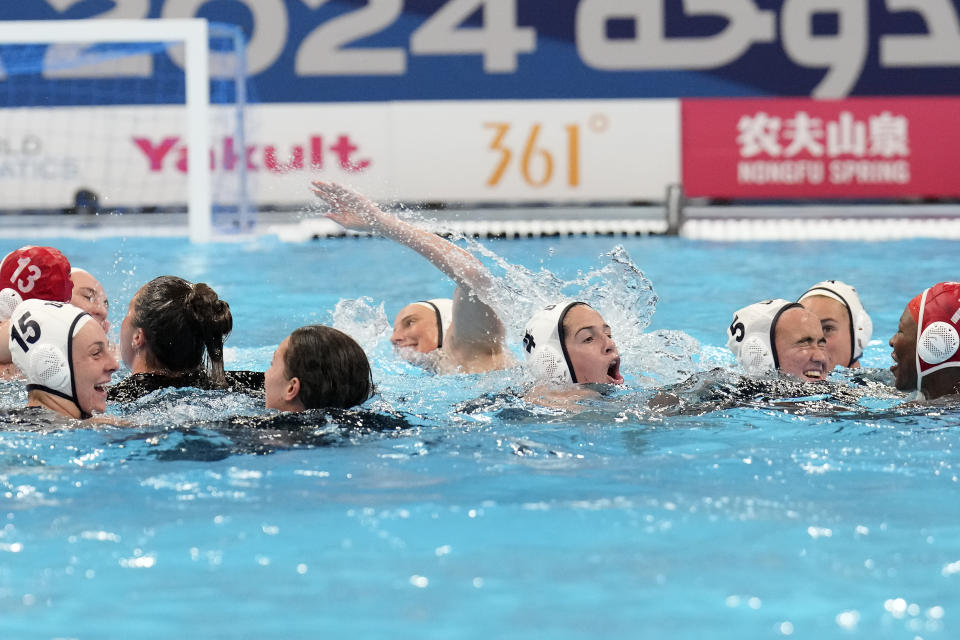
column 93, row 364
column 904, row 345
column 590, row 346
column 415, row 327
column 800, row 345
column 88, row 294
column 835, row 322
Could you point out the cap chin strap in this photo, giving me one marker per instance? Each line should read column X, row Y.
column 436, row 311
column 39, row 387
column 773, row 331
column 562, row 338
column 923, row 304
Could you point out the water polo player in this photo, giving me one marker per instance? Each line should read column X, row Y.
column 171, row 328
column 926, row 346
column 569, row 342
column 317, row 367
column 777, row 335
column 845, row 323
column 63, row 353
column 89, row 295
column 41, row 273
column 422, row 325
column 474, row 340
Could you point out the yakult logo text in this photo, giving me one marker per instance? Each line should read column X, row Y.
column 804, row 149
column 319, row 153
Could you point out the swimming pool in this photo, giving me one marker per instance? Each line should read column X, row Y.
column 488, row 518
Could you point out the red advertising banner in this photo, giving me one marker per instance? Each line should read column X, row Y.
column 798, row 148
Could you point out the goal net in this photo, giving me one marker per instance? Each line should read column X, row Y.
column 121, row 116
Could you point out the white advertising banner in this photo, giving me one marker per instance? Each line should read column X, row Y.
column 474, row 152
column 537, row 151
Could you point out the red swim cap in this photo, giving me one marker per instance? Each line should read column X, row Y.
column 37, row 272
column 938, row 328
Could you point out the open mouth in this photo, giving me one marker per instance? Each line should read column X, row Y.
column 101, row 388
column 814, row 374
column 613, row 372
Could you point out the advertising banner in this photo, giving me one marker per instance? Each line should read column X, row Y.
column 374, row 50
column 790, row 148
column 556, row 151
column 477, row 152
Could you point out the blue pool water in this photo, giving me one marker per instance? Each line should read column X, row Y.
column 488, row 518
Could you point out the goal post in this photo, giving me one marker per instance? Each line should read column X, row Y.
column 193, row 33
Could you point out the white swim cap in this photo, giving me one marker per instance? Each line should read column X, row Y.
column 443, row 307
column 41, row 340
column 543, row 346
column 751, row 335
column 861, row 326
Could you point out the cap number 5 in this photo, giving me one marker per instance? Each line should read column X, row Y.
column 737, row 330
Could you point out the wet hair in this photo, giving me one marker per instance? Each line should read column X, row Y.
column 332, row 368
column 181, row 322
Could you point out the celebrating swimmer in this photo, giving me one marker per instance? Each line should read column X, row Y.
column 317, row 367
column 777, row 335
column 63, row 353
column 474, row 340
column 89, row 295
column 41, row 273
column 845, row 323
column 569, row 342
column 926, row 346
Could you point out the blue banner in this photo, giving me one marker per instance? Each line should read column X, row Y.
column 365, row 50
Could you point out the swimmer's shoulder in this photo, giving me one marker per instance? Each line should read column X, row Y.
column 565, row 397
column 9, row 371
column 35, row 419
column 137, row 385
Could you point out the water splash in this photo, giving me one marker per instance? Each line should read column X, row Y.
column 364, row 322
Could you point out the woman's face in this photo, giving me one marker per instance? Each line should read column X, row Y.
column 93, row 365
column 275, row 380
column 127, row 329
column 415, row 327
column 88, row 294
column 835, row 322
column 904, row 344
column 593, row 353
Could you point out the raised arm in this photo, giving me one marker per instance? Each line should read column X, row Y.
column 473, row 321
column 354, row 211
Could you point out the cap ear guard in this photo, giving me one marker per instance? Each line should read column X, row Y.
column 756, row 356
column 938, row 342
column 48, row 367
column 546, row 363
column 9, row 299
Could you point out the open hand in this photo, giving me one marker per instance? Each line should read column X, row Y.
column 348, row 208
